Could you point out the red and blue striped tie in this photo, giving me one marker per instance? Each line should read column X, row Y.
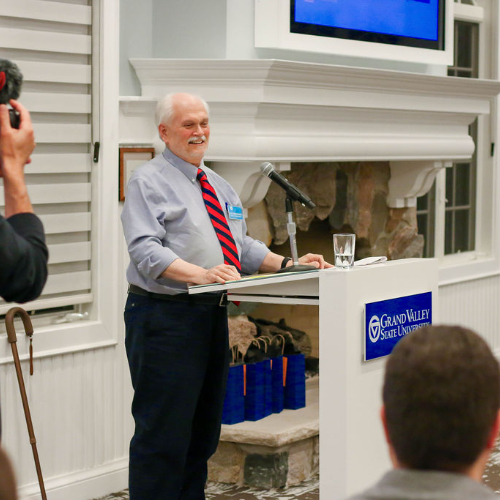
column 219, row 222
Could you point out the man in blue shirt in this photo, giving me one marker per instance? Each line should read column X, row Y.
column 179, row 225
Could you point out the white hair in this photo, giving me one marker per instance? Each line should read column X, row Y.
column 165, row 107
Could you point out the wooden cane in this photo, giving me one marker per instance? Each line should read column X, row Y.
column 12, row 337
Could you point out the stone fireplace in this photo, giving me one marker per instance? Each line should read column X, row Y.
column 350, row 197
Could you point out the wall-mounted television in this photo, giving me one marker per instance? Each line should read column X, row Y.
column 404, row 30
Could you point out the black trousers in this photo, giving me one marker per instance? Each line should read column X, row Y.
column 178, row 357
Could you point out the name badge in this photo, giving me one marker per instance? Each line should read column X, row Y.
column 235, row 213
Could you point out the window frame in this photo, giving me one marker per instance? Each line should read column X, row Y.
column 102, row 327
column 483, row 260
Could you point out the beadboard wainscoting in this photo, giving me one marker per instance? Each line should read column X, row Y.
column 476, row 304
column 80, row 407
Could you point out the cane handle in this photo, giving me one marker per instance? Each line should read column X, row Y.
column 9, row 323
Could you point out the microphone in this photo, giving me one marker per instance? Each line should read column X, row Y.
column 11, row 80
column 294, row 193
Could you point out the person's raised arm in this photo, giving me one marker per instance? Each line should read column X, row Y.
column 16, row 147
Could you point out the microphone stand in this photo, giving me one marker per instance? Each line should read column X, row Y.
column 291, row 229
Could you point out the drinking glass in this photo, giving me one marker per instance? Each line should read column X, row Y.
column 343, row 248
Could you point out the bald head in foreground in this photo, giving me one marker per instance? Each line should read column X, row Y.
column 440, row 414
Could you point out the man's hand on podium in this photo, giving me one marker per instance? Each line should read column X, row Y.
column 272, row 262
column 313, row 259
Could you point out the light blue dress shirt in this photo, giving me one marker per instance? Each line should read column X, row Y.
column 164, row 218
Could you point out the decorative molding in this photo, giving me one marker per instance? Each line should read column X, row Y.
column 288, row 111
column 259, row 74
column 246, row 178
column 471, row 13
column 82, row 485
column 410, row 179
column 136, row 122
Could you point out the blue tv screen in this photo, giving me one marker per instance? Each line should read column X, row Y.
column 412, row 23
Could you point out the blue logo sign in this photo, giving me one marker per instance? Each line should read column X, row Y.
column 388, row 321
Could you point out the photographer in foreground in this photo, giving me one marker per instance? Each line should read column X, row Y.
column 23, row 253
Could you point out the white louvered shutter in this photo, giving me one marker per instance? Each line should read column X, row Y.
column 51, row 42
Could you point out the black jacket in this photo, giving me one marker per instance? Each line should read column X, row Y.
column 23, row 258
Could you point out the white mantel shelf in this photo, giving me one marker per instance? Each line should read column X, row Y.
column 288, row 111
column 257, row 74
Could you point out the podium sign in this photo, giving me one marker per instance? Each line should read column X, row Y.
column 388, row 321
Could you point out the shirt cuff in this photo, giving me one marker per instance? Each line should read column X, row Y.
column 252, row 257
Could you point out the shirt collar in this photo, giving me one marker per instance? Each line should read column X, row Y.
column 188, row 169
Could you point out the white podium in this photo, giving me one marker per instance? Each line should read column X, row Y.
column 353, row 452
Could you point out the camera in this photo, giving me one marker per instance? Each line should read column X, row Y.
column 14, row 118
column 11, row 80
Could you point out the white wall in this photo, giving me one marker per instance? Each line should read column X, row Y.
column 136, row 40
column 189, row 29
column 177, row 28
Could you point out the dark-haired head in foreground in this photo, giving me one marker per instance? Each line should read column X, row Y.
column 441, row 399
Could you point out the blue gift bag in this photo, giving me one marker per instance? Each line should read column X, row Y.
column 254, row 391
column 295, row 382
column 268, row 388
column 277, row 383
column 234, row 402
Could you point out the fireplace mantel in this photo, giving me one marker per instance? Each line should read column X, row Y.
column 285, row 111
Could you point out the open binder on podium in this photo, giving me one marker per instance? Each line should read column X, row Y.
column 249, row 288
column 275, row 285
